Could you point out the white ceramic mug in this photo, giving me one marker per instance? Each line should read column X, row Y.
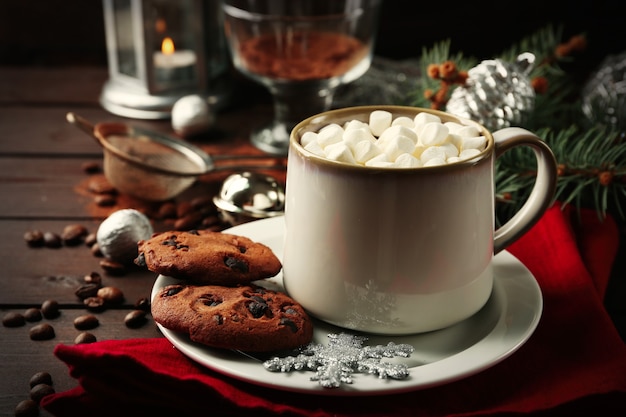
column 400, row 251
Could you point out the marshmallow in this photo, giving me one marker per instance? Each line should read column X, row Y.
column 379, row 120
column 355, row 135
column 339, row 152
column 307, row 138
column 431, row 153
column 315, row 148
column 355, row 124
column 434, row 162
column 450, row 150
column 406, row 160
column 379, row 160
column 399, row 143
column 396, row 131
column 332, row 133
column 474, row 142
column 433, row 134
column 453, row 127
column 364, row 151
column 468, row 153
column 403, row 121
column 468, row 131
column 422, row 119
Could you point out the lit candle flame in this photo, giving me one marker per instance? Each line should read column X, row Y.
column 167, row 46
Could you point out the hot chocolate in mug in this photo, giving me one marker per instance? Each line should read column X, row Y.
column 399, row 250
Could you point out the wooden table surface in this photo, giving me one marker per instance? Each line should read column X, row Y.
column 44, row 186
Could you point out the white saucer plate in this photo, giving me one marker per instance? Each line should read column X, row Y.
column 499, row 329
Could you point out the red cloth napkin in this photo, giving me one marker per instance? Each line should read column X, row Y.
column 574, row 363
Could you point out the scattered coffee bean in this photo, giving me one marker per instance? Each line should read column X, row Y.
column 111, row 295
column 13, row 319
column 94, row 303
column 42, row 331
column 95, row 250
column 188, row 222
column 39, row 391
column 33, row 314
column 91, row 167
column 112, row 268
column 91, row 239
column 27, row 408
column 100, row 185
column 34, row 238
column 73, row 234
column 87, row 290
column 135, row 319
column 183, row 209
column 93, row 278
column 84, row 338
column 105, row 200
column 143, row 304
column 202, row 202
column 50, row 309
column 86, row 322
column 167, row 210
column 40, row 378
column 52, row 240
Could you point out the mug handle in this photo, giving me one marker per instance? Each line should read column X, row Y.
column 542, row 194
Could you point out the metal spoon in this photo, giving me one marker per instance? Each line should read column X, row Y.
column 247, row 196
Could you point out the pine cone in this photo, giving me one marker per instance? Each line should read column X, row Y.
column 497, row 94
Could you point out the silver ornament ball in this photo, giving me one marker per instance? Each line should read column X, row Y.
column 192, row 115
column 119, row 233
column 496, row 94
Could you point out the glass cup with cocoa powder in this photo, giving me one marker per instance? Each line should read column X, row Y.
column 301, row 50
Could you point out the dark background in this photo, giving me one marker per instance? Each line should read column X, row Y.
column 71, row 32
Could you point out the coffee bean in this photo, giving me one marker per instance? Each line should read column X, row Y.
column 202, row 202
column 183, row 209
column 94, row 303
column 91, row 167
column 33, row 314
column 188, row 222
column 84, row 337
column 93, row 278
column 91, row 239
column 111, row 295
column 95, row 250
column 73, row 234
column 39, row 391
column 100, row 185
column 52, row 240
column 105, row 200
column 34, row 238
column 112, row 268
column 40, row 378
column 143, row 304
column 50, row 309
column 42, row 331
column 135, row 319
column 86, row 322
column 167, row 210
column 87, row 290
column 27, row 408
column 13, row 319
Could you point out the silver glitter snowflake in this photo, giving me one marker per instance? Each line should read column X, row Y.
column 344, row 355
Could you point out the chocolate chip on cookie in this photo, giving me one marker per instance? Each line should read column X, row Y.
column 248, row 318
column 206, row 257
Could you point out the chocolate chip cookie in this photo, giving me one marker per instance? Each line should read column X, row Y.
column 249, row 318
column 205, row 257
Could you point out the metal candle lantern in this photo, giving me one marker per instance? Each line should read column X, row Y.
column 160, row 51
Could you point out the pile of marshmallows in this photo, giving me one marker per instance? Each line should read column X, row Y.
column 399, row 142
